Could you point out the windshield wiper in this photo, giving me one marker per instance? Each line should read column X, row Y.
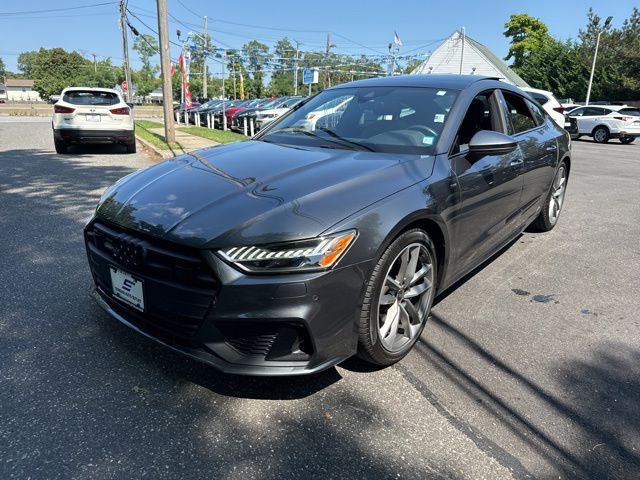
column 344, row 140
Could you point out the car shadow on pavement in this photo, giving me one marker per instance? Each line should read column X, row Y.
column 599, row 403
column 180, row 368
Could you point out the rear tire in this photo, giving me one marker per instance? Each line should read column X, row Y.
column 61, row 146
column 403, row 285
column 131, row 146
column 627, row 140
column 601, row 135
column 548, row 217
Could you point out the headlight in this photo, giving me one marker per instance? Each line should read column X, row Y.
column 315, row 254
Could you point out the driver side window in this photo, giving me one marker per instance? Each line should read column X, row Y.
column 482, row 114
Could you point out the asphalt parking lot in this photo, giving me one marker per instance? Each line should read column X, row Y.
column 528, row 369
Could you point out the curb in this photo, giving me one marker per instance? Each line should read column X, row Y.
column 164, row 154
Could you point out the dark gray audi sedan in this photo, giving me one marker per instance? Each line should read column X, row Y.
column 331, row 233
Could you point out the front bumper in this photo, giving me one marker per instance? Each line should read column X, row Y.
column 255, row 324
column 69, row 135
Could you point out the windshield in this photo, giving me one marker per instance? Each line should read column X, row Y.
column 379, row 119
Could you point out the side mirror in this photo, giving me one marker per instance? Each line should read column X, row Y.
column 130, row 105
column 488, row 142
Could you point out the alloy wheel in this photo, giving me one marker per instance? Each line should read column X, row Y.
column 557, row 194
column 600, row 135
column 405, row 297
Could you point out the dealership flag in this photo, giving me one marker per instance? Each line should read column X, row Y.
column 185, row 80
column 396, row 39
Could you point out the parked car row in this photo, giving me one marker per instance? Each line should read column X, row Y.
column 600, row 120
column 236, row 114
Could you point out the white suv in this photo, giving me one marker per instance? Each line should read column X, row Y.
column 551, row 105
column 605, row 122
column 92, row 115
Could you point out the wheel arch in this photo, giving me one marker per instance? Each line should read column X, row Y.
column 437, row 231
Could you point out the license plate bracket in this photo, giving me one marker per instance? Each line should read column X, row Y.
column 127, row 288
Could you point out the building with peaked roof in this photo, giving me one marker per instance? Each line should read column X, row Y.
column 20, row 90
column 461, row 54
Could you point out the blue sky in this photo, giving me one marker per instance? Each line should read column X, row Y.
column 359, row 27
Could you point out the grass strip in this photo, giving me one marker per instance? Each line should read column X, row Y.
column 219, row 136
column 156, row 140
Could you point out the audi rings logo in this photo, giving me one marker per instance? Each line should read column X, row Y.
column 129, row 252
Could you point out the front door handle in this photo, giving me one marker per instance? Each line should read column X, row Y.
column 515, row 164
column 551, row 149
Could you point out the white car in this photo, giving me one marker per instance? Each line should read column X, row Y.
column 92, row 115
column 263, row 117
column 608, row 121
column 548, row 102
column 330, row 113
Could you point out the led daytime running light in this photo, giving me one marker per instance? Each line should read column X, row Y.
column 312, row 254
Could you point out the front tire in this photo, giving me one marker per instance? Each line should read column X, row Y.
column 398, row 299
column 601, row 135
column 552, row 207
column 627, row 140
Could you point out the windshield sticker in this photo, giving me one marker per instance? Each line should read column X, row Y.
column 439, row 118
column 441, row 93
column 428, row 140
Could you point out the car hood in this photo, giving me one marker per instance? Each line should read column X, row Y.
column 255, row 192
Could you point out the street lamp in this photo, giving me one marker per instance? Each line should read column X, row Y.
column 595, row 55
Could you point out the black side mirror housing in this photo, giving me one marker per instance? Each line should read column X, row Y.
column 130, row 105
column 488, row 142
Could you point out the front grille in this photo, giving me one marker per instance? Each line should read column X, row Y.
column 179, row 286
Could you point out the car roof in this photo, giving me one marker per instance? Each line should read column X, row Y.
column 433, row 80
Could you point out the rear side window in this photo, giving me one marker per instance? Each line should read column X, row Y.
column 594, row 112
column 519, row 116
column 78, row 97
column 538, row 97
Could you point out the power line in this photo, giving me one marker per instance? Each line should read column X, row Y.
column 26, row 12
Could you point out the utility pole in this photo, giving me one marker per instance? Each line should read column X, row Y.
column 125, row 47
column 463, row 33
column 327, row 75
column 295, row 70
column 595, row 56
column 204, row 60
column 95, row 65
column 165, row 62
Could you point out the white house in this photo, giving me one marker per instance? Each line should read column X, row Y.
column 19, row 90
column 461, row 54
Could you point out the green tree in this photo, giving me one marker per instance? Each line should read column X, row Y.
column 147, row 47
column 629, row 53
column 145, row 78
column 257, row 56
column 55, row 69
column 527, row 34
column 284, row 62
column 25, row 62
column 3, row 69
